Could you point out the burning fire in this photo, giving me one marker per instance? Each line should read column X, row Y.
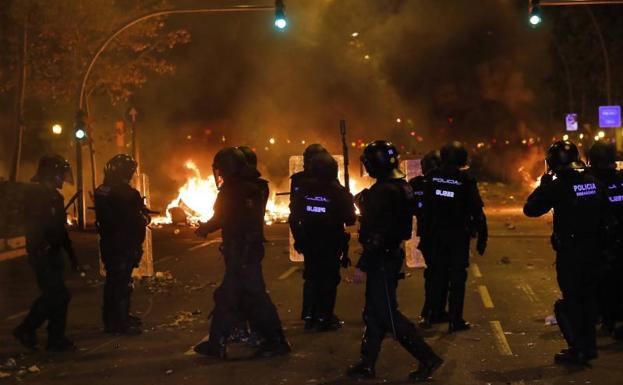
column 197, row 196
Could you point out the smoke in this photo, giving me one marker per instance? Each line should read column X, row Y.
column 417, row 72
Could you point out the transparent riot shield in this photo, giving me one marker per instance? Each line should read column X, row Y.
column 146, row 267
column 414, row 256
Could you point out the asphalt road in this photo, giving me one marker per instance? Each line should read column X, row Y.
column 510, row 292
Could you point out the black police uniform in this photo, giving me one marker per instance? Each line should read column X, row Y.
column 46, row 239
column 428, row 313
column 239, row 213
column 452, row 210
column 121, row 221
column 386, row 221
column 581, row 221
column 611, row 287
column 319, row 209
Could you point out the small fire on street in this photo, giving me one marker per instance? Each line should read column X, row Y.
column 195, row 202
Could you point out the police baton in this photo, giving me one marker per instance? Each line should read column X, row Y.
column 73, row 199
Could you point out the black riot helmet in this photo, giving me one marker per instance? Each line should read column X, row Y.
column 228, row 163
column 454, row 154
column 430, row 161
column 120, row 169
column 602, row 155
column 563, row 155
column 311, row 151
column 382, row 160
column 323, row 166
column 249, row 155
column 53, row 168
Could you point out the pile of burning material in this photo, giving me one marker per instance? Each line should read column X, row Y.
column 195, row 202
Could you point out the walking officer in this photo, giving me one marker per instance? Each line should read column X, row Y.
column 602, row 161
column 319, row 210
column 121, row 218
column 239, row 214
column 387, row 209
column 429, row 162
column 452, row 212
column 46, row 239
column 582, row 224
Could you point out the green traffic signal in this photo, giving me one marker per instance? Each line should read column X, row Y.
column 281, row 22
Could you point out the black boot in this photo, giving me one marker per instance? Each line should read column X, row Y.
column 309, row 322
column 273, row 347
column 458, row 326
column 426, row 369
column 361, row 370
column 571, row 357
column 212, row 349
column 329, row 324
column 27, row 338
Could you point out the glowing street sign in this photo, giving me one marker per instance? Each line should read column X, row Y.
column 609, row 116
column 571, row 122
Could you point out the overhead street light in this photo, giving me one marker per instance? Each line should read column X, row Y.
column 57, row 129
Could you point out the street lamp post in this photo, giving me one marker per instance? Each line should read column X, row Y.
column 280, row 22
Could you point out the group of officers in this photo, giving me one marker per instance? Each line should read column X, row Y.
column 587, row 204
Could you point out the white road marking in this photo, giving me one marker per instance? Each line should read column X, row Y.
column 486, row 298
column 476, row 271
column 204, row 244
column 528, row 292
column 191, row 351
column 289, row 272
column 500, row 338
column 16, row 315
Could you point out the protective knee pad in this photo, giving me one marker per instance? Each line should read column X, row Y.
column 564, row 322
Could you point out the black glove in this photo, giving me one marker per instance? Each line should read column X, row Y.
column 546, row 179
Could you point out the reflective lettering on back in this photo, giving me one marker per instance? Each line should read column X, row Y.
column 447, row 181
column 616, row 199
column 584, row 189
column 315, row 209
column 316, row 199
column 444, row 193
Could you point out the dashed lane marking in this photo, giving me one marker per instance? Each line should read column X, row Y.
column 528, row 292
column 476, row 271
column 191, row 351
column 16, row 315
column 500, row 338
column 204, row 244
column 289, row 272
column 486, row 298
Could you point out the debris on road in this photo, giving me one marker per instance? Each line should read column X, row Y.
column 183, row 319
column 550, row 320
column 510, row 226
column 4, row 374
column 505, row 260
column 10, row 363
column 168, row 372
column 34, row 369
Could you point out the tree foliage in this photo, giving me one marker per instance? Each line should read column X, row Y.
column 63, row 36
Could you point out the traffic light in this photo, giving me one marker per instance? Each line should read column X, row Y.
column 535, row 13
column 80, row 129
column 280, row 15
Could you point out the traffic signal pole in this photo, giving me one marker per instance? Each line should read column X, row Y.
column 278, row 8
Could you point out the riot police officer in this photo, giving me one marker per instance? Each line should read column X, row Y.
column 602, row 161
column 452, row 211
column 308, row 154
column 46, row 238
column 429, row 162
column 121, row 218
column 239, row 214
column 386, row 221
column 319, row 210
column 581, row 223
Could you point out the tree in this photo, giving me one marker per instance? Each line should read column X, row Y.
column 64, row 37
